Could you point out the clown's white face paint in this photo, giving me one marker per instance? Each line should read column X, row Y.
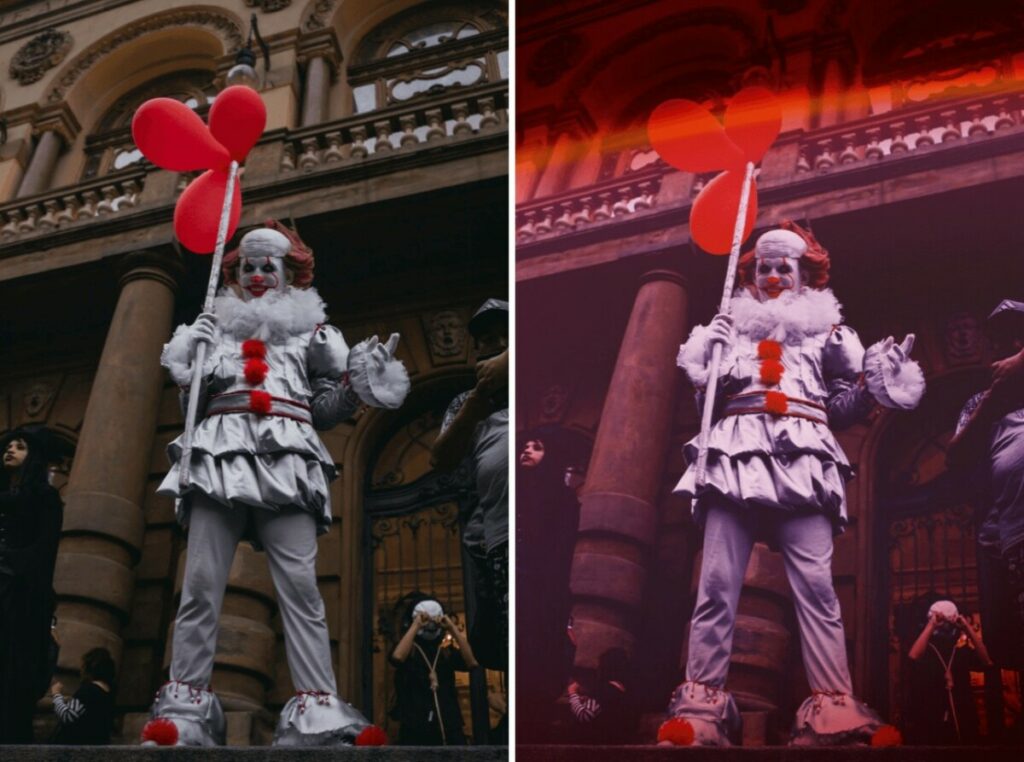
column 258, row 275
column 776, row 275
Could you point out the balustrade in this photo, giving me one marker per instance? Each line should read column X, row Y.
column 461, row 113
column 621, row 198
column 67, row 206
column 908, row 131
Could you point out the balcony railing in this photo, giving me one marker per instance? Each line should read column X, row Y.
column 454, row 116
column 65, row 207
column 621, row 197
column 888, row 136
column 909, row 130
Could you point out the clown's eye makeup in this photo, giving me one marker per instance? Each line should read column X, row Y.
column 784, row 269
column 268, row 268
column 248, row 267
column 764, row 269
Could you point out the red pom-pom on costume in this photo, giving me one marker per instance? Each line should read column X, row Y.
column 255, row 371
column 775, row 403
column 254, row 348
column 676, row 731
column 771, row 372
column 161, row 731
column 259, row 402
column 887, row 735
column 371, row 735
column 769, row 350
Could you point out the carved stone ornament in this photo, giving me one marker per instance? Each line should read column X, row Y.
column 268, row 6
column 223, row 25
column 553, row 403
column 963, row 339
column 446, row 335
column 38, row 398
column 39, row 55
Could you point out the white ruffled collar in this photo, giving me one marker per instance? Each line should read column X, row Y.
column 273, row 317
column 788, row 319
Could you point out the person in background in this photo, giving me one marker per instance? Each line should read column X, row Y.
column 31, row 513
column 475, row 428
column 86, row 719
column 601, row 708
column 425, row 662
column 941, row 709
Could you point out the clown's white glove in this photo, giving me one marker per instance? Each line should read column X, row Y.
column 200, row 331
column 377, row 377
column 720, row 331
column 892, row 377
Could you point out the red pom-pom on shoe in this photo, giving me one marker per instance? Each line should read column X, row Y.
column 255, row 371
column 676, row 731
column 771, row 372
column 887, row 735
column 160, row 731
column 769, row 350
column 371, row 735
column 259, row 402
column 775, row 403
column 254, row 348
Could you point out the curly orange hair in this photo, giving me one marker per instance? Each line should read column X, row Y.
column 814, row 264
column 299, row 260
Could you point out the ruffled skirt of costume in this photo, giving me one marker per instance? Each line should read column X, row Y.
column 267, row 462
column 786, row 463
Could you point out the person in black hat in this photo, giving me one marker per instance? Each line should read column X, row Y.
column 31, row 513
column 988, row 449
column 475, row 428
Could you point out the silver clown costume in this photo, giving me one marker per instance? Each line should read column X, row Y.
column 791, row 373
column 274, row 373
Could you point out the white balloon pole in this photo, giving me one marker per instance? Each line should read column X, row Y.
column 185, row 461
column 716, row 351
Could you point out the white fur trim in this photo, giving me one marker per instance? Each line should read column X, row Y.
column 901, row 389
column 790, row 318
column 273, row 317
column 379, row 386
column 177, row 357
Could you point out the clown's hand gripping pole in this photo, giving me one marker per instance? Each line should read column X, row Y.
column 185, row 461
column 716, row 350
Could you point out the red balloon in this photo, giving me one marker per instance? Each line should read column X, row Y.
column 687, row 136
column 753, row 120
column 237, row 119
column 172, row 136
column 197, row 215
column 713, row 214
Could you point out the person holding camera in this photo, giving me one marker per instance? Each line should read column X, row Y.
column 425, row 662
column 948, row 649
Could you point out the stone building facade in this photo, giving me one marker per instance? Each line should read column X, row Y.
column 902, row 148
column 387, row 148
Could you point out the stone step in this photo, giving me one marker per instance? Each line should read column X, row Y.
column 251, row 754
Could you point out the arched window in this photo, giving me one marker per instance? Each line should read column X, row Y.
column 110, row 148
column 428, row 50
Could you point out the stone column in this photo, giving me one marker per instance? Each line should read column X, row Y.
column 618, row 518
column 55, row 127
column 317, row 91
column 40, row 168
column 321, row 54
column 103, row 520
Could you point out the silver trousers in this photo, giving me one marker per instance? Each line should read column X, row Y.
column 806, row 544
column 289, row 539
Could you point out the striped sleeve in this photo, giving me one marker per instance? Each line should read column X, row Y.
column 67, row 712
column 584, row 709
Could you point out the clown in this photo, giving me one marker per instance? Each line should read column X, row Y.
column 273, row 373
column 790, row 373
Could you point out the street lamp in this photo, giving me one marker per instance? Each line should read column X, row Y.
column 243, row 72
